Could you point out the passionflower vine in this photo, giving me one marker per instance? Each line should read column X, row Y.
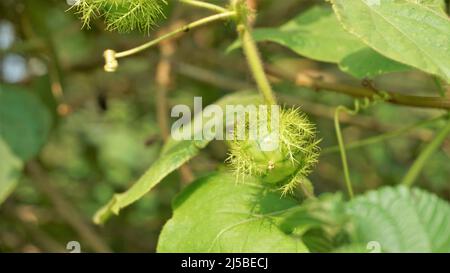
column 122, row 15
column 287, row 165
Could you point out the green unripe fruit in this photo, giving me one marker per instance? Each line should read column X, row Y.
column 288, row 163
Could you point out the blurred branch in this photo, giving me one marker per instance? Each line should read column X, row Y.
column 43, row 239
column 383, row 137
column 49, row 53
column 231, row 84
column 317, row 83
column 253, row 6
column 29, row 220
column 163, row 82
column 207, row 76
column 368, row 123
column 68, row 212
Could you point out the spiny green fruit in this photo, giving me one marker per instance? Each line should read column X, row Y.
column 122, row 15
column 289, row 163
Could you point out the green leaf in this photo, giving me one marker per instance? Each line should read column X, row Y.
column 315, row 34
column 367, row 63
column 216, row 214
column 318, row 35
column 320, row 222
column 175, row 154
column 10, row 171
column 403, row 30
column 166, row 164
column 24, row 121
column 402, row 220
column 438, row 5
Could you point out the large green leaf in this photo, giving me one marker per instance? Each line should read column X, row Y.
column 320, row 222
column 367, row 63
column 404, row 30
column 175, row 154
column 402, row 220
column 318, row 35
column 315, row 34
column 438, row 5
column 24, row 121
column 10, row 171
column 216, row 214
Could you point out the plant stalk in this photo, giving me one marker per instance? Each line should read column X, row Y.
column 252, row 53
column 340, row 139
column 201, row 4
column 186, row 28
column 383, row 137
column 425, row 155
column 255, row 63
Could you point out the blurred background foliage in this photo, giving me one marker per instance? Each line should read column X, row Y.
column 100, row 131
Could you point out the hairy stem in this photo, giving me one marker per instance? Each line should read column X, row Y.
column 340, row 139
column 186, row 28
column 425, row 155
column 201, row 4
column 255, row 63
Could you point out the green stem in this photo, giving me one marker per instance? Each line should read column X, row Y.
column 439, row 86
column 251, row 51
column 425, row 155
column 382, row 137
column 255, row 63
column 204, row 5
column 201, row 22
column 340, row 139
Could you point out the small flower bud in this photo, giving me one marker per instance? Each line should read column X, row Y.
column 111, row 63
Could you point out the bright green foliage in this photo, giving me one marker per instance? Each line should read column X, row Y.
column 10, row 171
column 166, row 164
column 315, row 34
column 24, row 121
column 318, row 35
column 217, row 215
column 320, row 222
column 107, row 127
column 402, row 220
column 406, row 31
column 175, row 154
column 367, row 63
